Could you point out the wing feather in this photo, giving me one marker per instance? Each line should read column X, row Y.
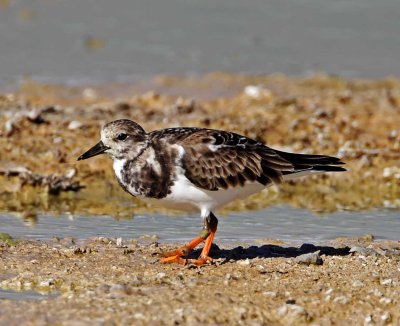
column 218, row 160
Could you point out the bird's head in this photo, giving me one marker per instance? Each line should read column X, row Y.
column 119, row 139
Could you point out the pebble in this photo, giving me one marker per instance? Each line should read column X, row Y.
column 291, row 309
column 363, row 251
column 45, row 283
column 245, row 262
column 257, row 91
column 368, row 320
column 28, row 285
column 313, row 258
column 70, row 173
column 388, row 281
column 179, row 312
column 357, row 284
column 377, row 293
column 385, row 300
column 342, row 300
column 386, row 317
column 161, row 276
column 138, row 315
column 261, row 269
column 73, row 125
column 270, row 294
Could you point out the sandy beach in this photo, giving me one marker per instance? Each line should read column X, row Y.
column 104, row 281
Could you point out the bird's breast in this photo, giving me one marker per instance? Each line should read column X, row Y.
column 150, row 176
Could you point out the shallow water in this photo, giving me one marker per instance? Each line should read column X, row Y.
column 281, row 222
column 96, row 41
column 25, row 295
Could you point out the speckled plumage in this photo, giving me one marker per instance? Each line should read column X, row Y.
column 206, row 161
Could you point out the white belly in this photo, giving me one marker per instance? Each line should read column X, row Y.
column 186, row 196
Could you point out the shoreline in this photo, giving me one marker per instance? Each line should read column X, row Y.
column 111, row 281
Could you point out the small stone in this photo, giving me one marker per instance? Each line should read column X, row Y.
column 386, row 317
column 245, row 262
column 73, row 125
column 70, row 173
column 46, row 283
column 261, row 269
column 341, row 300
column 236, row 276
column 257, row 91
column 368, row 320
column 282, row 310
column 385, row 300
column 357, row 284
column 241, row 311
column 388, row 281
column 57, row 140
column 313, row 258
column 270, row 294
column 160, row 276
column 138, row 315
column 293, row 310
column 28, row 285
column 179, row 312
column 377, row 293
column 363, row 251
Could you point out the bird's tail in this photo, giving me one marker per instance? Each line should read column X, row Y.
column 312, row 163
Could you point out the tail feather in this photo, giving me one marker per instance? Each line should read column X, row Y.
column 306, row 162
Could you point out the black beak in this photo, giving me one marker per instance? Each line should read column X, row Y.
column 97, row 149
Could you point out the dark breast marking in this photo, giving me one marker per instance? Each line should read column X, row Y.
column 153, row 175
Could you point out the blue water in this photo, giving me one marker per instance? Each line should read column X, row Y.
column 281, row 222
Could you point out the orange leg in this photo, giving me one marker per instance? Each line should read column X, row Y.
column 180, row 255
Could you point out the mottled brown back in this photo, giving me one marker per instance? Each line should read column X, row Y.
column 218, row 160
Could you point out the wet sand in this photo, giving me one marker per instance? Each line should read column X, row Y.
column 103, row 281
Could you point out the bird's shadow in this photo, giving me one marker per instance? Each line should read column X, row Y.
column 270, row 251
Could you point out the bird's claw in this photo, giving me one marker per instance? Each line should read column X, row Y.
column 184, row 261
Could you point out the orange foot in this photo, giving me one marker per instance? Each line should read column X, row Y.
column 182, row 260
column 180, row 255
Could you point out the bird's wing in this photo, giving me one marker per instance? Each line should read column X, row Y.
column 218, row 159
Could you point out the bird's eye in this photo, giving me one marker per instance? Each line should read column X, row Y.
column 122, row 136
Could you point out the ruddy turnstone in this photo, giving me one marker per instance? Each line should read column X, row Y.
column 197, row 169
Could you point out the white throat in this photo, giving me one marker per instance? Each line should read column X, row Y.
column 118, row 165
